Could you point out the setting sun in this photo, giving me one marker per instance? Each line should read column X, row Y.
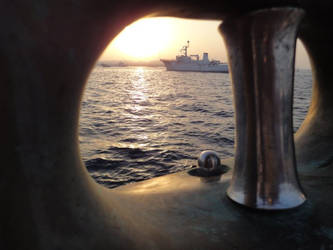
column 143, row 39
column 152, row 39
column 155, row 38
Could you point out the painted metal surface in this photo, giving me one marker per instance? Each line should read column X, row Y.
column 48, row 199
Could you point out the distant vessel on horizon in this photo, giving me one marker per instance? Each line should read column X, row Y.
column 184, row 62
column 113, row 64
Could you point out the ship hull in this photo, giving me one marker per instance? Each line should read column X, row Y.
column 195, row 67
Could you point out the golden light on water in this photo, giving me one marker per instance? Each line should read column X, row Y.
column 143, row 39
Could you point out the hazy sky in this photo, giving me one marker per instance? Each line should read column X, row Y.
column 156, row 38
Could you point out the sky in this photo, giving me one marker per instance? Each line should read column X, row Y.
column 151, row 39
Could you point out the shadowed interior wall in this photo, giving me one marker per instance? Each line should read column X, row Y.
column 47, row 50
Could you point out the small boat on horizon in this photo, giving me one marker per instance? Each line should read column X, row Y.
column 113, row 64
column 184, row 62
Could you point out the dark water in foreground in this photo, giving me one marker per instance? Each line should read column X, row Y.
column 138, row 123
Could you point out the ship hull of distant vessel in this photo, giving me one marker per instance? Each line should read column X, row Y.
column 172, row 65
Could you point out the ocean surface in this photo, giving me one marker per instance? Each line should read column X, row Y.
column 141, row 122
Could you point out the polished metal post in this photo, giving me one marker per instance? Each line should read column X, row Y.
column 261, row 51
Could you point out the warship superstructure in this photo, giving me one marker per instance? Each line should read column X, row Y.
column 185, row 62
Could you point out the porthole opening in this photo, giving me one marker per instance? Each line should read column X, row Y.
column 140, row 121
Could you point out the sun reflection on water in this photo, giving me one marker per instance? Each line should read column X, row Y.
column 138, row 112
column 138, row 94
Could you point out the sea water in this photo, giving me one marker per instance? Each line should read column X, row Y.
column 141, row 122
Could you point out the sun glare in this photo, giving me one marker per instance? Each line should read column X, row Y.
column 144, row 39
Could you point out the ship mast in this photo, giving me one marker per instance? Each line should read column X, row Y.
column 185, row 48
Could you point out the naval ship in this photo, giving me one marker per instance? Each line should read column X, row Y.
column 184, row 62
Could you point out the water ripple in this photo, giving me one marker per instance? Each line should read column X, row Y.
column 138, row 123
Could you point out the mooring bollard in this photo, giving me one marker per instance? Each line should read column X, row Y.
column 261, row 50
